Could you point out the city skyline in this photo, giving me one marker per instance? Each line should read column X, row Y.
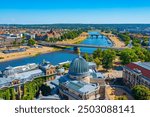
column 85, row 12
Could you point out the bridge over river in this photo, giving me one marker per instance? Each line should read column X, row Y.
column 80, row 45
column 94, row 34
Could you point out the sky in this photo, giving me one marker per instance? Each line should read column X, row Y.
column 74, row 11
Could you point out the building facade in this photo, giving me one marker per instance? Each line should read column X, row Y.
column 81, row 82
column 77, row 90
column 12, row 76
column 9, row 39
column 137, row 73
column 48, row 69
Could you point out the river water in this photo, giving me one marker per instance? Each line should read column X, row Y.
column 60, row 56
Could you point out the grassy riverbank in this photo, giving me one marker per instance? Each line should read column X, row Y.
column 115, row 40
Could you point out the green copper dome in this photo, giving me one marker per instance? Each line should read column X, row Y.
column 79, row 67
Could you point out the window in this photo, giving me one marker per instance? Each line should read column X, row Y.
column 80, row 96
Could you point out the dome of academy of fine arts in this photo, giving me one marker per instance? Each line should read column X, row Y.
column 79, row 68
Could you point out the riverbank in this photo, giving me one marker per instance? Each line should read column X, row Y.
column 31, row 52
column 77, row 40
column 115, row 40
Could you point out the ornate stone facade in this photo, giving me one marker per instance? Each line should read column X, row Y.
column 80, row 83
column 137, row 74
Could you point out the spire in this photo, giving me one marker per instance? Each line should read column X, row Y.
column 44, row 61
column 78, row 51
column 40, row 94
column 51, row 30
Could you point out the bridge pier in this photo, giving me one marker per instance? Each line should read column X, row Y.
column 76, row 49
column 97, row 36
column 92, row 36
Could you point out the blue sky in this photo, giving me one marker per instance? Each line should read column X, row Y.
column 74, row 11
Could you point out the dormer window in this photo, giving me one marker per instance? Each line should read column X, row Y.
column 137, row 71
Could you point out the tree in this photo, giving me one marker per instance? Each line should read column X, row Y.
column 12, row 93
column 23, row 41
column 45, row 90
column 31, row 42
column 71, row 34
column 121, row 97
column 128, row 56
column 136, row 41
column 147, row 56
column 140, row 92
column 127, row 41
column 140, row 53
column 90, row 58
column 30, row 90
column 86, row 56
column 97, row 61
column 14, row 43
column 24, row 91
column 145, row 41
column 135, row 54
column 98, row 53
column 1, row 94
column 108, row 58
column 66, row 66
column 47, row 39
column 125, row 37
column 7, row 94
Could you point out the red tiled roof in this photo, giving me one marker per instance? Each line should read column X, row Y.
column 144, row 71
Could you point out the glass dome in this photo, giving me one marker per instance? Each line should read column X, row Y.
column 79, row 68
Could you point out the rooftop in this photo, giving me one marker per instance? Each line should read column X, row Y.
column 79, row 67
column 81, row 87
column 46, row 65
column 23, row 68
column 20, row 76
column 144, row 67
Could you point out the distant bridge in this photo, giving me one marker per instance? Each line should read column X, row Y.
column 94, row 34
column 81, row 45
